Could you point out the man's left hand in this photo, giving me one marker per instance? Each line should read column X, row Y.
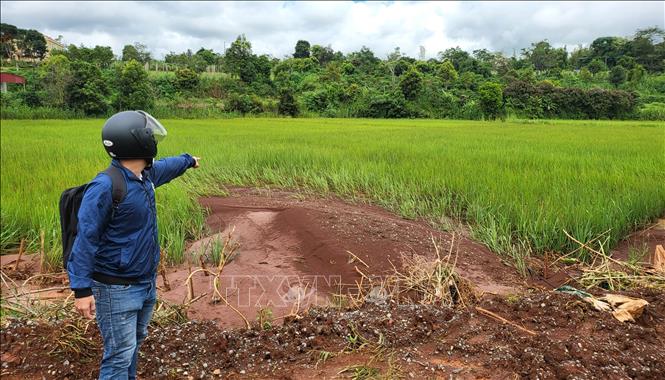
column 196, row 163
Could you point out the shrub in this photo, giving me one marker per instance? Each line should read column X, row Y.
column 244, row 104
column 491, row 100
column 186, row 79
column 411, row 83
column 287, row 104
column 87, row 91
column 652, row 111
column 134, row 90
column 385, row 106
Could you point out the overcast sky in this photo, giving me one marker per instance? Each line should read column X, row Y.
column 274, row 27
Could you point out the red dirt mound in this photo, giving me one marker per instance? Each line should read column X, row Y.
column 294, row 251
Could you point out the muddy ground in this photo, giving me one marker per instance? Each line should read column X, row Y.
column 295, row 252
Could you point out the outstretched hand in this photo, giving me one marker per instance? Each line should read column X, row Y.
column 196, row 164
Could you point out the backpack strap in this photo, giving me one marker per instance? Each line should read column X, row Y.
column 119, row 185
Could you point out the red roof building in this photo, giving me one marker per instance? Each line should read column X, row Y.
column 10, row 78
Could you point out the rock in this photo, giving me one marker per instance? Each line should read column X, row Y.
column 217, row 372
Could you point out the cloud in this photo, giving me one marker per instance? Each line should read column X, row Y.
column 274, row 27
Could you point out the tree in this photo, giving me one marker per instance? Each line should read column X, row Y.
column 134, row 88
column 447, row 73
column 646, row 51
column 101, row 56
column 608, row 49
column 87, row 91
column 31, row 43
column 596, row 66
column 209, row 56
column 55, row 73
column 322, row 54
column 411, row 83
column 544, row 57
column 287, row 104
column 8, row 33
column 636, row 74
column 137, row 52
column 617, row 75
column 237, row 59
column 302, row 49
column 580, row 57
column 491, row 100
column 130, row 53
column 585, row 75
column 364, row 59
column 186, row 79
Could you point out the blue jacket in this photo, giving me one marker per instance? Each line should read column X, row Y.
column 123, row 243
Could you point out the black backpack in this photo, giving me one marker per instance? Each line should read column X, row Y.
column 70, row 202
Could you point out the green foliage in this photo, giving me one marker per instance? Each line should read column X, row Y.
column 323, row 55
column 244, row 104
column 302, row 49
column 617, row 75
column 137, row 52
column 652, row 111
column 134, row 90
column 585, row 75
column 544, row 57
column 55, row 73
column 186, row 79
column 8, row 33
column 385, row 106
column 636, row 74
column 447, row 73
column 491, row 100
column 31, row 43
column 327, row 83
column 287, row 104
column 86, row 91
column 238, row 59
column 100, row 56
column 411, row 83
column 209, row 56
column 596, row 66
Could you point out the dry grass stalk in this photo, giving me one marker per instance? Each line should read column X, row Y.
column 42, row 253
column 612, row 274
column 162, row 273
column 354, row 258
column 504, row 320
column 435, row 282
column 20, row 254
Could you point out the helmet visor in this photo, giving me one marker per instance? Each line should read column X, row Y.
column 158, row 130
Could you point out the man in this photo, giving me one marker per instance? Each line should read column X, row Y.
column 113, row 263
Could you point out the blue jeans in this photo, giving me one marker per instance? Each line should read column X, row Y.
column 123, row 314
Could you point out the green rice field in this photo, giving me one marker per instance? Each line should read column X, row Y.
column 518, row 184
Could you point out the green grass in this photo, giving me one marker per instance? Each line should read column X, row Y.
column 519, row 184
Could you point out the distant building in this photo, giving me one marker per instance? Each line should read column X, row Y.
column 52, row 44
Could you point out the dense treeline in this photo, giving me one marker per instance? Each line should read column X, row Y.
column 612, row 78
